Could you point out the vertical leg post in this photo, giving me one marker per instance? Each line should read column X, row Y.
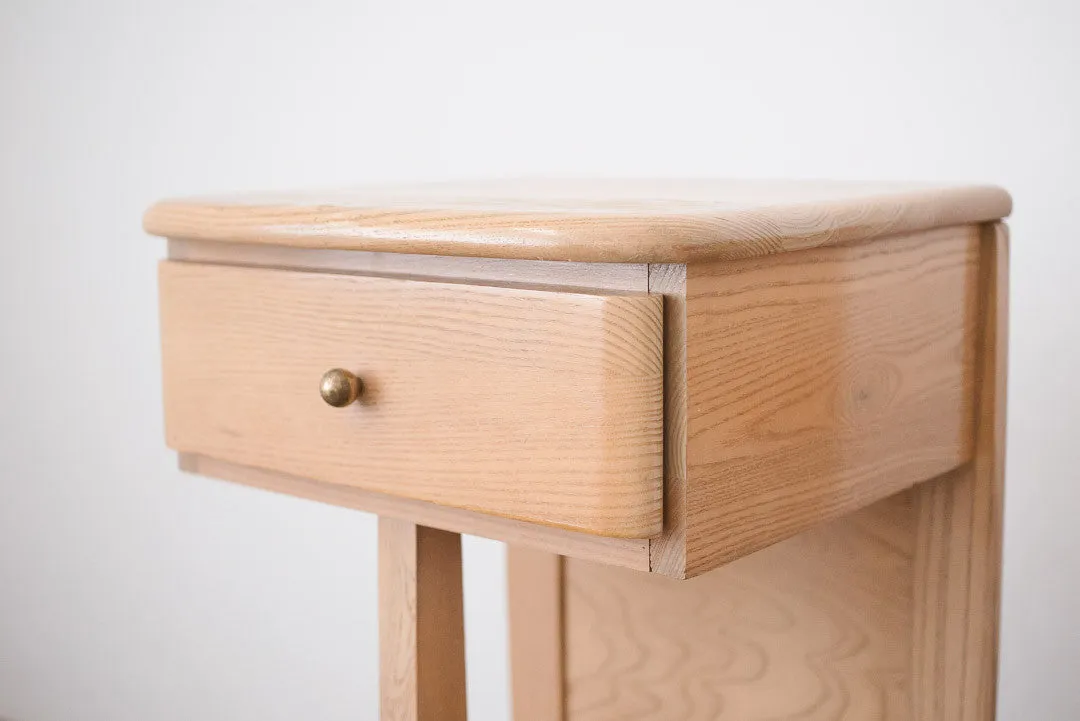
column 421, row 628
column 958, row 537
column 535, row 580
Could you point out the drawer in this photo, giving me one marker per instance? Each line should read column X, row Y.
column 536, row 405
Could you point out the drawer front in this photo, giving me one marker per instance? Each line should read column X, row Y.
column 536, row 405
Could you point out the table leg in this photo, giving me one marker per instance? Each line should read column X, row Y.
column 958, row 537
column 421, row 629
column 535, row 580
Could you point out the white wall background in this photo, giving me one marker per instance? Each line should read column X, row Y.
column 131, row 592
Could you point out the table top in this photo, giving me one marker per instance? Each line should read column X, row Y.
column 621, row 221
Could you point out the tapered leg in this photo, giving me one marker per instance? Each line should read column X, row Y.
column 421, row 629
column 958, row 538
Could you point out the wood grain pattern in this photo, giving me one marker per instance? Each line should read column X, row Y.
column 816, row 628
column 421, row 624
column 495, row 271
column 623, row 552
column 822, row 381
column 528, row 404
column 535, row 586
column 667, row 552
column 619, row 221
column 958, row 551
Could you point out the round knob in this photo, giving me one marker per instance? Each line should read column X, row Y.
column 339, row 387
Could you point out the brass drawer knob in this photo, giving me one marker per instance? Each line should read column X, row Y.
column 339, row 387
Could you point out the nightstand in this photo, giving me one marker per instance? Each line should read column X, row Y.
column 744, row 439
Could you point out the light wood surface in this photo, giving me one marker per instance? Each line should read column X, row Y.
column 493, row 271
column 766, row 430
column 533, row 405
column 535, row 585
column 620, row 221
column 821, row 381
column 421, row 624
column 816, row 628
column 667, row 552
column 889, row 613
column 623, row 552
column 958, row 558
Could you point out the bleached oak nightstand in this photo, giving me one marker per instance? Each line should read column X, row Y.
column 791, row 394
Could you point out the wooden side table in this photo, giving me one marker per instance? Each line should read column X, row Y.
column 744, row 439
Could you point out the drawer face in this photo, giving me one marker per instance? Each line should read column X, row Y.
column 536, row 405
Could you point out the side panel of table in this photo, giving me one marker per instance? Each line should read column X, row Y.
column 821, row 381
column 816, row 628
column 888, row 613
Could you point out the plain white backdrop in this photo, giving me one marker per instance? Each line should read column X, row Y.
column 131, row 592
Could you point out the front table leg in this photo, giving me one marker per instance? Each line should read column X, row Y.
column 421, row 630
